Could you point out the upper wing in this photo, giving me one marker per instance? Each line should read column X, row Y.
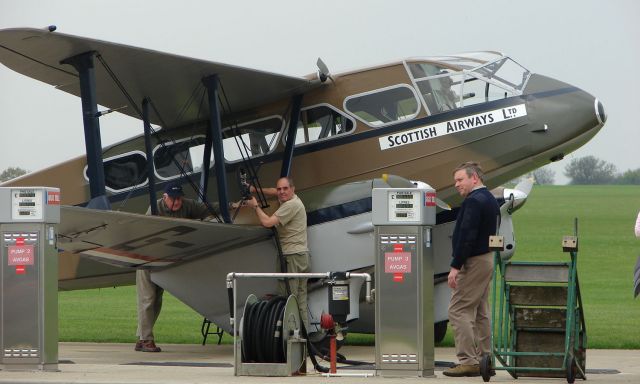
column 100, row 246
column 168, row 80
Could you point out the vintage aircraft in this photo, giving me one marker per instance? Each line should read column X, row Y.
column 336, row 134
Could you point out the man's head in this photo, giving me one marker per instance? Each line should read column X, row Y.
column 172, row 197
column 285, row 189
column 467, row 176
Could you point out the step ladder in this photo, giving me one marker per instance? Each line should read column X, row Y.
column 537, row 318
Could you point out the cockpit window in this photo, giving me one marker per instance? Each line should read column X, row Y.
column 384, row 106
column 505, row 71
column 458, row 81
column 322, row 122
column 179, row 157
column 124, row 172
column 251, row 139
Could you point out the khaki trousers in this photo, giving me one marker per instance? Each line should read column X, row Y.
column 297, row 263
column 469, row 309
column 149, row 304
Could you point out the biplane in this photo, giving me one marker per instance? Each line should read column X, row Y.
column 213, row 126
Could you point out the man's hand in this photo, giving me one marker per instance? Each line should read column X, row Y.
column 252, row 202
column 452, row 279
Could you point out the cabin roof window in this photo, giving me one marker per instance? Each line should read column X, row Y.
column 124, row 172
column 321, row 122
column 184, row 156
column 251, row 139
column 448, row 83
column 384, row 106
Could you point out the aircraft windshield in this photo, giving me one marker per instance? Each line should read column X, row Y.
column 451, row 82
column 251, row 139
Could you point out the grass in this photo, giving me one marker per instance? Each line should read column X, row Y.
column 606, row 258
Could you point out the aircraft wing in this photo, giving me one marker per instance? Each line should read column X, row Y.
column 170, row 81
column 100, row 247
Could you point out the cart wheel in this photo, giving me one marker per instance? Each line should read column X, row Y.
column 485, row 368
column 571, row 370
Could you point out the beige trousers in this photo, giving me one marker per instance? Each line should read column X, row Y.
column 469, row 309
column 298, row 263
column 149, row 304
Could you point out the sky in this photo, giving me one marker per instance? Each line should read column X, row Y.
column 592, row 44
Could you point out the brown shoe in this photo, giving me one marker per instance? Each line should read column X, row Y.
column 463, row 370
column 138, row 346
column 147, row 346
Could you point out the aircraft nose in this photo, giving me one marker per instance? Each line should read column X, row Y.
column 601, row 115
column 563, row 117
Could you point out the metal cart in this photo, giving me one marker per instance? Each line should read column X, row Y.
column 538, row 326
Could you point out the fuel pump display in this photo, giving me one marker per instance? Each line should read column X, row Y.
column 29, row 278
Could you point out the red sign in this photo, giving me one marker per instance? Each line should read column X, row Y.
column 398, row 277
column 429, row 199
column 20, row 270
column 53, row 197
column 397, row 262
column 21, row 255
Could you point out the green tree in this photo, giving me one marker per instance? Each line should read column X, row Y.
column 12, row 173
column 544, row 175
column 590, row 170
column 629, row 177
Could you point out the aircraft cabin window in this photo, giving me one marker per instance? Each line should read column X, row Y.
column 251, row 139
column 124, row 171
column 181, row 156
column 321, row 122
column 384, row 106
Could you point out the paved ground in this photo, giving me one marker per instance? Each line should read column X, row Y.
column 118, row 363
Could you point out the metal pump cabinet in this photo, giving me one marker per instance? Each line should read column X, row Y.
column 403, row 218
column 29, row 278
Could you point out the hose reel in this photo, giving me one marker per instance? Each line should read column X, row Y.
column 270, row 332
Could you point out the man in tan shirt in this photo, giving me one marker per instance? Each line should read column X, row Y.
column 291, row 222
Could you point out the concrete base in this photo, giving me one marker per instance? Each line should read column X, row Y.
column 119, row 363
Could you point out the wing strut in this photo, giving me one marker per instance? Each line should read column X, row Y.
column 206, row 164
column 215, row 130
column 83, row 63
column 149, row 152
column 291, row 136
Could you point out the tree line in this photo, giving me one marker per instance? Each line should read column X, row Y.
column 588, row 170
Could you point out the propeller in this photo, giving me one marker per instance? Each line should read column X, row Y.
column 514, row 198
column 323, row 71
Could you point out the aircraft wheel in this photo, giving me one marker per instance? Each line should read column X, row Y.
column 439, row 331
column 486, row 368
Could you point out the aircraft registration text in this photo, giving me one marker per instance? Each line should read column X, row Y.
column 452, row 126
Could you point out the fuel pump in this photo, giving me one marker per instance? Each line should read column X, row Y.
column 29, row 278
column 403, row 219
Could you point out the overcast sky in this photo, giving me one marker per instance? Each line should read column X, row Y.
column 592, row 44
